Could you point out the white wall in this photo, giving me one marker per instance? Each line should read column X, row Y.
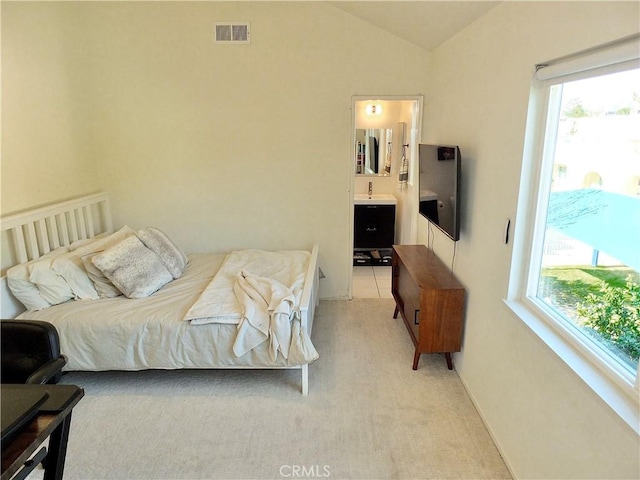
column 46, row 144
column 547, row 423
column 222, row 146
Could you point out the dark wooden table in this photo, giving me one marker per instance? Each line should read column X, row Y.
column 53, row 421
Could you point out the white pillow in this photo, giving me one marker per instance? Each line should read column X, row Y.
column 105, row 242
column 52, row 287
column 104, row 286
column 82, row 255
column 134, row 269
column 69, row 267
column 25, row 291
column 170, row 254
column 85, row 241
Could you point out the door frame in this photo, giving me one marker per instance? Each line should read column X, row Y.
column 414, row 139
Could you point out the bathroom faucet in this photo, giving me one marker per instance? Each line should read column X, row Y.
column 370, row 188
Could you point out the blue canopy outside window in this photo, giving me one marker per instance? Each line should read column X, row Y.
column 608, row 222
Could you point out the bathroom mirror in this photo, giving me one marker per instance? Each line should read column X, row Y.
column 373, row 147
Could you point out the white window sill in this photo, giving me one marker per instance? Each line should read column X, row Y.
column 621, row 398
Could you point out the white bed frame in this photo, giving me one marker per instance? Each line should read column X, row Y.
column 29, row 234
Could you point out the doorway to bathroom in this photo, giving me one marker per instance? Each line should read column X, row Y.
column 384, row 202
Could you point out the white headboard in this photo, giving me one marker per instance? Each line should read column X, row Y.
column 30, row 234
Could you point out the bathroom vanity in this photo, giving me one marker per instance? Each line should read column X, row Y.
column 374, row 229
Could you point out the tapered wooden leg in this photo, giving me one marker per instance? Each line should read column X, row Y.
column 447, row 355
column 395, row 312
column 416, row 359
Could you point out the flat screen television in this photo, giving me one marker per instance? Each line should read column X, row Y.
column 439, row 183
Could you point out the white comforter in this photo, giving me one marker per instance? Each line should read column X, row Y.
column 136, row 334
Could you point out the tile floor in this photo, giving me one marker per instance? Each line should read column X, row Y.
column 372, row 282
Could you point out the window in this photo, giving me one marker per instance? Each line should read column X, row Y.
column 576, row 267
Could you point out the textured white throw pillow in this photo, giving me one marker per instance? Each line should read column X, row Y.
column 134, row 269
column 81, row 258
column 170, row 254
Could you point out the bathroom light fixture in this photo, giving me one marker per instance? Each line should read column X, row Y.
column 373, row 109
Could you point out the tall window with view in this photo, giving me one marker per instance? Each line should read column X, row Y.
column 589, row 267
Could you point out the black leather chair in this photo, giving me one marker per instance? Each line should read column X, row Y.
column 30, row 352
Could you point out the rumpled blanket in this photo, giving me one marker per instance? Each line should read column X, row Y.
column 218, row 303
column 259, row 291
column 269, row 313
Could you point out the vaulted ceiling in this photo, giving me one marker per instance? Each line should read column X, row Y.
column 425, row 23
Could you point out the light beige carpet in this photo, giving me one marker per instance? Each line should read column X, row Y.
column 368, row 415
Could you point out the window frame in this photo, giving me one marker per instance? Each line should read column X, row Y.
column 611, row 382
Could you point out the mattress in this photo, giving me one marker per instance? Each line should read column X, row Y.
column 150, row 333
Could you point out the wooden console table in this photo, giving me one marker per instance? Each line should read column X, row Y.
column 430, row 300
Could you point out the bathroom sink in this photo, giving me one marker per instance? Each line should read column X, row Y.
column 426, row 195
column 375, row 199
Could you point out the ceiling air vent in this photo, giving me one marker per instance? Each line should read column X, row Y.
column 233, row 33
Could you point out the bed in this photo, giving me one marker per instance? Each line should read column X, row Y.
column 259, row 315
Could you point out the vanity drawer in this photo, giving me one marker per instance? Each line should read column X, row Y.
column 374, row 226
